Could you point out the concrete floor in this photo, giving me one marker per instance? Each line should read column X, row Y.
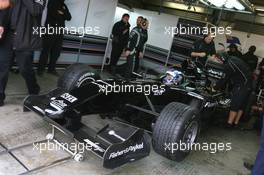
column 18, row 128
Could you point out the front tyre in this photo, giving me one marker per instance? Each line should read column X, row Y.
column 77, row 75
column 176, row 129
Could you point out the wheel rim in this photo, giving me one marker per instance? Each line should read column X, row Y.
column 191, row 133
column 85, row 81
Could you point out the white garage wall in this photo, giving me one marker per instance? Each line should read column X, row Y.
column 119, row 13
column 158, row 22
column 257, row 40
column 78, row 9
column 100, row 15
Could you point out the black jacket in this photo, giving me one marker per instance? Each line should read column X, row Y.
column 119, row 38
column 261, row 70
column 137, row 39
column 5, row 16
column 235, row 54
column 237, row 73
column 26, row 16
column 143, row 40
column 251, row 60
column 201, row 46
column 54, row 18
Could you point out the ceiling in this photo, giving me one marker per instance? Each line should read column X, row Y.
column 257, row 2
column 238, row 21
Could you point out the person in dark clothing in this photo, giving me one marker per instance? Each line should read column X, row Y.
column 260, row 82
column 136, row 44
column 203, row 48
column 5, row 16
column 233, row 51
column 258, row 168
column 261, row 67
column 145, row 35
column 251, row 59
column 120, row 35
column 57, row 14
column 239, row 75
column 18, row 40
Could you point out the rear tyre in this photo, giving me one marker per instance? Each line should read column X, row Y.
column 178, row 124
column 77, row 75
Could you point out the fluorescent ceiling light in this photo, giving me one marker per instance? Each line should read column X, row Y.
column 183, row 7
column 230, row 4
column 260, row 8
column 238, row 5
column 217, row 3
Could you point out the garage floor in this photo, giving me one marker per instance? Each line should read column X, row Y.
column 18, row 128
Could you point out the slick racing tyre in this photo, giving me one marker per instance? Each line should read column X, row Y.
column 77, row 75
column 177, row 127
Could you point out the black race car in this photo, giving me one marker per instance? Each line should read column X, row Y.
column 172, row 114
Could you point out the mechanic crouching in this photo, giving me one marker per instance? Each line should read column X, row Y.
column 137, row 40
column 239, row 76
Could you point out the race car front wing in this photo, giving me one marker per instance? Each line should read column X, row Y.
column 115, row 144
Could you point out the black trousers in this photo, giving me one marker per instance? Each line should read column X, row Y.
column 137, row 62
column 24, row 61
column 52, row 46
column 260, row 83
column 116, row 53
column 131, row 59
column 240, row 97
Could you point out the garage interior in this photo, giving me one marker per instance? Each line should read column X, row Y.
column 18, row 128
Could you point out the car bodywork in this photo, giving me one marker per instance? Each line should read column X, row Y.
column 124, row 142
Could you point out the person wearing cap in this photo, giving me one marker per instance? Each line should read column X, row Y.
column 57, row 14
column 233, row 51
column 251, row 59
column 239, row 76
column 120, row 35
column 203, row 48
